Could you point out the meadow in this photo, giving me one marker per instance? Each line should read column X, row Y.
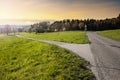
column 22, row 59
column 78, row 37
column 113, row 34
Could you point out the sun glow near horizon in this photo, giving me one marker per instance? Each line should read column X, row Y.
column 57, row 10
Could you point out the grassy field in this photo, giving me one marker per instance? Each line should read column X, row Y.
column 113, row 34
column 78, row 37
column 22, row 59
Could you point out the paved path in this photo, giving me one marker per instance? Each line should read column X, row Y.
column 106, row 54
column 82, row 50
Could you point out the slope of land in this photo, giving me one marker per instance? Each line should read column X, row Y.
column 22, row 59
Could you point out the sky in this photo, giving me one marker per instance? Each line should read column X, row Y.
column 30, row 11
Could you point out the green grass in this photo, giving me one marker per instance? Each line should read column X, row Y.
column 113, row 34
column 22, row 59
column 70, row 37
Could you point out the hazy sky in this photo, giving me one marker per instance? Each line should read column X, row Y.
column 57, row 9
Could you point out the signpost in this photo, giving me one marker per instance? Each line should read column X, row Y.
column 85, row 29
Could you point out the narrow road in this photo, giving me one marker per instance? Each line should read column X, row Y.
column 103, row 54
column 106, row 54
column 82, row 50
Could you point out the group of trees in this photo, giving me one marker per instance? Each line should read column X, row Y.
column 7, row 29
column 69, row 25
column 39, row 27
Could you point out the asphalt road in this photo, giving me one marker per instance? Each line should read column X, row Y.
column 82, row 50
column 106, row 53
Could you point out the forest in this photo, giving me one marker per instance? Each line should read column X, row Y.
column 72, row 25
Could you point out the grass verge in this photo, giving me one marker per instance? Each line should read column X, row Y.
column 113, row 34
column 22, row 59
column 78, row 37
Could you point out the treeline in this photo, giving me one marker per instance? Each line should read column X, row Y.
column 70, row 25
